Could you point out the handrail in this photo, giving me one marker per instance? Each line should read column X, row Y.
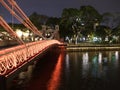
column 12, row 58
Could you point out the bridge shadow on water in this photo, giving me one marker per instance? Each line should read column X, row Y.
column 45, row 67
column 57, row 71
column 43, row 71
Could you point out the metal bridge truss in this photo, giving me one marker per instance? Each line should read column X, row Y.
column 20, row 16
column 13, row 58
column 10, row 30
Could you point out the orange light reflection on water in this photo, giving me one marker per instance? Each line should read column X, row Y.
column 55, row 77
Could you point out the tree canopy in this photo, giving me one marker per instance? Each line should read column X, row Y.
column 79, row 20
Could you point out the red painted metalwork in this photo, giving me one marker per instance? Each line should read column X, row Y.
column 10, row 30
column 12, row 58
column 55, row 77
column 21, row 17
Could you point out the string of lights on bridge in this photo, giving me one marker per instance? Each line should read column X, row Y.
column 12, row 58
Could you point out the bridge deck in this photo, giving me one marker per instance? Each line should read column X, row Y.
column 15, row 59
column 12, row 58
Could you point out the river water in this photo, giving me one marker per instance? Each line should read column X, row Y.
column 93, row 70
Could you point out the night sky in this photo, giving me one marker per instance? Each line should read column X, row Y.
column 54, row 7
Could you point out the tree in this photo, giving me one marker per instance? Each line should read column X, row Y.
column 38, row 20
column 52, row 21
column 103, row 31
column 89, row 17
column 1, row 29
column 67, row 20
column 111, row 20
column 76, row 21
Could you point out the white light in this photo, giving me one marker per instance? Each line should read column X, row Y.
column 85, row 58
column 25, row 34
column 95, row 38
column 100, row 57
column 82, row 24
column 116, row 55
column 19, row 33
column 67, row 61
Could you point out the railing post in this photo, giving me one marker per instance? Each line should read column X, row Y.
column 3, row 83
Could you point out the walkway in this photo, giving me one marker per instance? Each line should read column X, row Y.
column 14, row 57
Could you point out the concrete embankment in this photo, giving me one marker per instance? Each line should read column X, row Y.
column 92, row 47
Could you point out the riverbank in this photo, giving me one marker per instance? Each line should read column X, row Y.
column 91, row 47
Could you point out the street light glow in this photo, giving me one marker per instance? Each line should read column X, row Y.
column 19, row 33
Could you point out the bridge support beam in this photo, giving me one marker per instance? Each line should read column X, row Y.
column 10, row 76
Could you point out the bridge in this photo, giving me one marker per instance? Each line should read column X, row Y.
column 15, row 58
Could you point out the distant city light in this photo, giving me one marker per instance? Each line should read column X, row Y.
column 19, row 33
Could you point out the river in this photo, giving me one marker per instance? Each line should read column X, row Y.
column 93, row 70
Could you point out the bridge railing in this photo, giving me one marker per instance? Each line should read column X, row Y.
column 14, row 57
